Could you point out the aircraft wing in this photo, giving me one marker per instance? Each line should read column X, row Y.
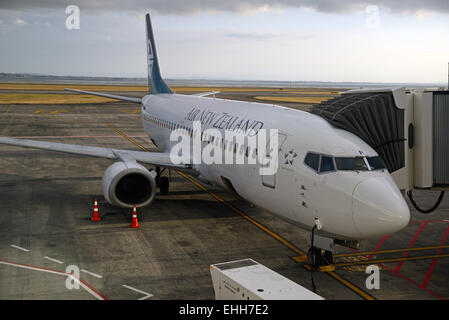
column 205, row 94
column 105, row 95
column 161, row 159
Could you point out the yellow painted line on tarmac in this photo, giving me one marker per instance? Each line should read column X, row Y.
column 260, row 226
column 293, row 99
column 300, row 259
column 366, row 253
column 128, row 138
column 58, row 111
column 360, row 292
column 389, row 251
column 131, row 112
column 245, row 216
column 359, row 262
column 41, row 113
column 9, row 109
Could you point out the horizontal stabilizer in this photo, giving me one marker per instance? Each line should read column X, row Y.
column 205, row 94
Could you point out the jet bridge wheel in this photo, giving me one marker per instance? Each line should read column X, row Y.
column 164, row 185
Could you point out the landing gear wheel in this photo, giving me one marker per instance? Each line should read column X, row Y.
column 314, row 257
column 164, row 184
column 318, row 258
column 328, row 258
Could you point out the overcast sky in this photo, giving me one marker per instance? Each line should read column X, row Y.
column 309, row 40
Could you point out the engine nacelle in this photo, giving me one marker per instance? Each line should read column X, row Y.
column 126, row 184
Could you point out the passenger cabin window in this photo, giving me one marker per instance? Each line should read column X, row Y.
column 312, row 160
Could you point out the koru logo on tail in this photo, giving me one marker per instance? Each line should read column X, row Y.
column 150, row 58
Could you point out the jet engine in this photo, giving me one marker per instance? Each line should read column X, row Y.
column 126, row 184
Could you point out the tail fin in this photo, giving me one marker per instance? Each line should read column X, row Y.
column 155, row 80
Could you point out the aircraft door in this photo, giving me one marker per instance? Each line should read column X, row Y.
column 270, row 180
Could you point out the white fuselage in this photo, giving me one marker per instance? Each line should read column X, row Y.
column 350, row 204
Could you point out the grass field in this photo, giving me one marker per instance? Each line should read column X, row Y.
column 312, row 92
column 57, row 87
column 249, row 89
column 25, row 98
column 294, row 99
column 15, row 96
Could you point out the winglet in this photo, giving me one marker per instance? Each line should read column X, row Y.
column 155, row 80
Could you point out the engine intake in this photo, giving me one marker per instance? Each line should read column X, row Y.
column 126, row 184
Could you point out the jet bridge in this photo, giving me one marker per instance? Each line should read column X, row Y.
column 375, row 118
column 408, row 128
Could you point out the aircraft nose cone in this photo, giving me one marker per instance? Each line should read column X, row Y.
column 378, row 208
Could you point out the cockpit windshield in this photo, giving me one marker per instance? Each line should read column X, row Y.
column 375, row 163
column 324, row 163
column 353, row 164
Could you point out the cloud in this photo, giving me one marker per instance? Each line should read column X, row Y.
column 250, row 35
column 20, row 22
column 182, row 7
column 267, row 36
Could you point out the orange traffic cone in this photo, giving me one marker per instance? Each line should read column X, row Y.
column 95, row 216
column 134, row 222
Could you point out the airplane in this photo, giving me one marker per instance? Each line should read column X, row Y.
column 328, row 180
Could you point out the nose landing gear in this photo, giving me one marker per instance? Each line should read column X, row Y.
column 318, row 258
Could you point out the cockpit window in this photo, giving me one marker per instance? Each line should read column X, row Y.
column 375, row 163
column 312, row 160
column 319, row 163
column 323, row 163
column 353, row 164
column 327, row 164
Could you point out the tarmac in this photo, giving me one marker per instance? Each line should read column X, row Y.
column 47, row 198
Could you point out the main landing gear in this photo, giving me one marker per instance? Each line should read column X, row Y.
column 163, row 183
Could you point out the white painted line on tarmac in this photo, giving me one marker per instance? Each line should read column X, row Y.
column 83, row 284
column 146, row 294
column 32, row 268
column 91, row 291
column 54, row 260
column 91, row 273
column 20, row 248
